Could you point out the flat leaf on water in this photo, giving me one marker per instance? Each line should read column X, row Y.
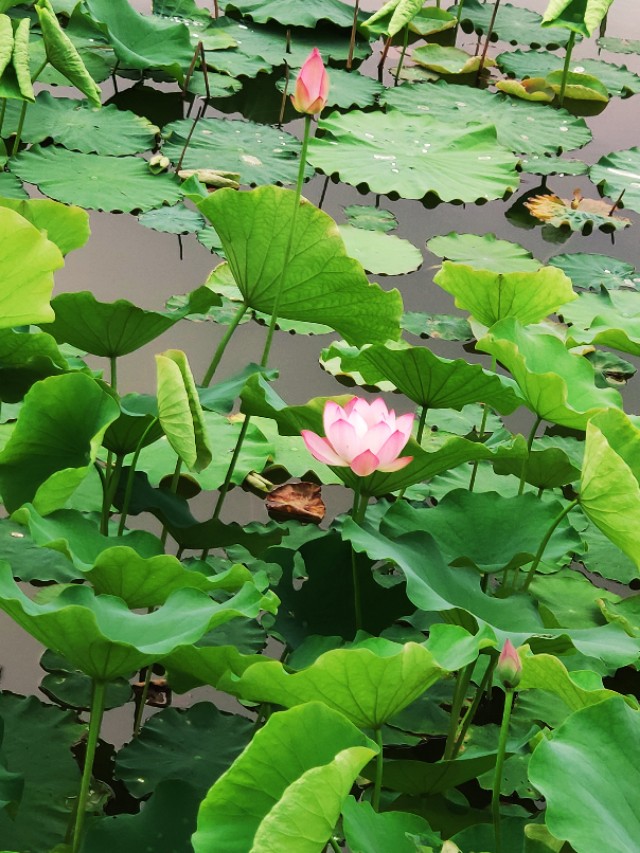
column 448, row 60
column 578, row 214
column 619, row 45
column 619, row 172
column 381, row 254
column 301, row 15
column 532, row 89
column 444, row 327
column 11, row 186
column 550, row 165
column 512, row 24
column 370, row 218
column 484, row 252
column 592, row 271
column 347, row 88
column 173, row 219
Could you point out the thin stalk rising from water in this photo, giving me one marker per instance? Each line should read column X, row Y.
column 95, row 721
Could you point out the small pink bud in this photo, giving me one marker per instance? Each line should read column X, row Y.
column 509, row 666
column 312, row 85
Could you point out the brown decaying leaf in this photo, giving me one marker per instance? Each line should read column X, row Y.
column 299, row 501
column 551, row 207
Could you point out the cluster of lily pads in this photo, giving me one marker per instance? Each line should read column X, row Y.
column 381, row 702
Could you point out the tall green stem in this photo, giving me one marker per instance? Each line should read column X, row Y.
column 462, row 682
column 23, row 111
column 473, row 708
column 497, row 780
column 377, row 785
column 565, row 69
column 483, row 424
column 352, row 40
column 109, row 491
column 3, row 110
column 523, row 473
column 402, row 55
column 173, row 488
column 483, row 58
column 95, row 721
column 358, row 510
column 545, row 542
column 421, row 423
column 217, row 356
column 131, row 477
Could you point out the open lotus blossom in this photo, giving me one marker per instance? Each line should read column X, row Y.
column 364, row 436
column 312, row 85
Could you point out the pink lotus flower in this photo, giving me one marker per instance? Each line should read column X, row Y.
column 312, row 85
column 509, row 666
column 364, row 436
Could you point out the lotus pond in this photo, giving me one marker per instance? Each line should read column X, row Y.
column 400, row 616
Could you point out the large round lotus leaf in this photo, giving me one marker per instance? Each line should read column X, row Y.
column 37, row 743
column 381, row 254
column 116, row 184
column 320, row 282
column 484, row 252
column 176, row 219
column 102, row 637
column 64, row 225
column 449, row 60
column 27, row 259
column 144, row 41
column 368, row 685
column 297, row 15
column 489, row 296
column 301, row 767
column 608, row 318
column 511, row 24
column 80, row 127
column 556, row 384
column 610, row 483
column 619, row 172
column 446, row 327
column 550, row 165
column 578, row 87
column 55, row 441
column 11, row 186
column 425, row 378
column 195, row 745
column 258, row 153
column 413, row 156
column 26, row 357
column 70, row 688
column 485, row 530
column 587, row 771
column 581, row 17
column 367, row 831
column 370, row 218
column 537, row 63
column 522, row 127
column 593, row 271
column 619, row 45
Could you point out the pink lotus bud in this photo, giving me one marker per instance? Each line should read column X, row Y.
column 509, row 666
column 364, row 436
column 312, row 85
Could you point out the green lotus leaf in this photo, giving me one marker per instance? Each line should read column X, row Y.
column 70, row 688
column 321, row 283
column 369, row 684
column 484, row 252
column 108, row 329
column 28, row 260
column 381, row 254
column 610, row 485
column 425, row 378
column 579, row 16
column 423, row 777
column 617, row 79
column 29, row 561
column 194, row 745
column 64, row 57
column 608, row 318
column 511, row 24
column 299, row 767
column 136, row 425
column 103, row 638
column 550, row 165
column 142, row 41
column 578, row 87
column 347, row 89
column 367, row 831
column 619, row 45
column 556, row 384
column 95, row 182
column 399, row 12
column 262, row 11
column 67, row 227
column 490, row 297
column 425, row 22
column 444, row 327
column 389, row 156
column 619, row 172
column 370, row 218
column 545, row 467
column 11, row 784
column 174, row 219
column 575, row 214
column 221, row 396
column 78, row 126
column 89, row 39
column 535, row 89
column 11, row 187
column 26, row 357
column 448, row 60
column 196, row 665
column 521, row 127
column 625, row 613
column 15, row 82
column 594, row 744
column 6, row 42
column 180, row 412
column 546, row 672
column 258, row 153
column 485, row 530
column 50, row 782
column 593, row 271
column 55, row 441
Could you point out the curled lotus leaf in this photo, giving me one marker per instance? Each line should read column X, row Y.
column 578, row 214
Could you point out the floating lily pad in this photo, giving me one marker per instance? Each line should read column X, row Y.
column 370, row 218
column 537, row 63
column 593, row 271
column 607, row 318
column 347, row 89
column 578, row 214
column 258, row 153
column 174, row 219
column 619, row 172
column 381, row 254
column 298, row 15
column 392, row 17
column 484, row 252
column 533, row 89
column 461, row 164
column 444, row 327
column 549, row 165
column 619, row 45
column 522, row 127
column 11, row 186
column 80, row 127
column 512, row 24
column 578, row 87
column 448, row 60
column 116, row 184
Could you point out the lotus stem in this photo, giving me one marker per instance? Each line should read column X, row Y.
column 131, row 476
column 216, row 9
column 473, row 708
column 173, row 488
column 462, row 682
column 285, row 92
column 530, row 575
column 617, row 202
column 220, row 349
column 199, row 115
column 334, row 845
column 497, row 779
column 402, row 55
column 323, row 193
column 112, row 480
column 358, row 510
column 532, row 435
column 142, row 699
column 3, row 110
column 565, row 69
column 16, row 141
column 95, row 721
column 377, row 785
column 421, row 424
column 487, row 40
column 383, row 58
column 189, row 74
column 483, row 424
column 352, row 40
